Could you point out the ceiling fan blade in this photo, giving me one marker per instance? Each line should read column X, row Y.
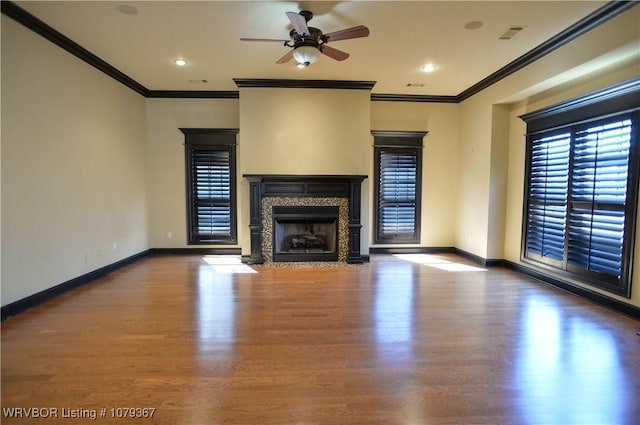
column 299, row 22
column 354, row 32
column 286, row 58
column 264, row 39
column 336, row 54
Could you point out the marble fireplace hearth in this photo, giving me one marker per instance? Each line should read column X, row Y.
column 305, row 194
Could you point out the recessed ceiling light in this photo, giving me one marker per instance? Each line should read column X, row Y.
column 473, row 25
column 429, row 67
column 180, row 62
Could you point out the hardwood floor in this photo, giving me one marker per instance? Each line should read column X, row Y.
column 401, row 340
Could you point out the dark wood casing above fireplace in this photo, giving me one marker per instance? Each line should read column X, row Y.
column 304, row 186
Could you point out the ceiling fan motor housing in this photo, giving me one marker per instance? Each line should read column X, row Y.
column 314, row 38
column 307, row 14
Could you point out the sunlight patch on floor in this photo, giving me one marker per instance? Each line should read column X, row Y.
column 230, row 264
column 439, row 263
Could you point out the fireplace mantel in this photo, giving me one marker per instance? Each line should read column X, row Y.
column 313, row 186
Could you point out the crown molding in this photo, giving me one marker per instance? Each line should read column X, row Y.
column 413, row 98
column 628, row 90
column 618, row 98
column 600, row 16
column 304, row 84
column 217, row 131
column 193, row 94
column 399, row 134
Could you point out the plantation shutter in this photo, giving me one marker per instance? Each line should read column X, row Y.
column 398, row 171
column 581, row 187
column 211, row 185
column 398, row 194
column 211, row 193
column 547, row 209
column 598, row 198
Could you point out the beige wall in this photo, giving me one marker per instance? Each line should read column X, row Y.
column 304, row 131
column 498, row 178
column 439, row 162
column 73, row 166
column 165, row 153
column 474, row 171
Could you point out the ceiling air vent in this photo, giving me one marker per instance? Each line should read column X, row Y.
column 511, row 32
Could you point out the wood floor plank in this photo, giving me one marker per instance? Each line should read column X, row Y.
column 400, row 340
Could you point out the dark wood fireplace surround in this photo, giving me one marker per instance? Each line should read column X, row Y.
column 319, row 186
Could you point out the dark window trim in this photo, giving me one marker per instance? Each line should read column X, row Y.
column 222, row 139
column 617, row 100
column 613, row 100
column 405, row 142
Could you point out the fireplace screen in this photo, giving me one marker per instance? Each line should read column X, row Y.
column 305, row 233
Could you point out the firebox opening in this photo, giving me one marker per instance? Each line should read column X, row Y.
column 305, row 233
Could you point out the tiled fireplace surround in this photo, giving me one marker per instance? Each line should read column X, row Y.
column 269, row 190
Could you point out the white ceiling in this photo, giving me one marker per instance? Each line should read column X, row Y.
column 404, row 36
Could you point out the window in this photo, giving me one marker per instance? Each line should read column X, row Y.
column 398, row 174
column 211, row 185
column 581, row 189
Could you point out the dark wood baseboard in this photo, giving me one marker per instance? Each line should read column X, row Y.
column 196, row 251
column 26, row 303
column 438, row 250
column 596, row 297
column 412, row 250
column 485, row 262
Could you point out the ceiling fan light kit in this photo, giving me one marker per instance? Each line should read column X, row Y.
column 305, row 55
column 308, row 43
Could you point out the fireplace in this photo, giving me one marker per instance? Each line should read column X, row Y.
column 304, row 218
column 305, row 233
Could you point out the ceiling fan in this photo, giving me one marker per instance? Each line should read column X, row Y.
column 308, row 42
